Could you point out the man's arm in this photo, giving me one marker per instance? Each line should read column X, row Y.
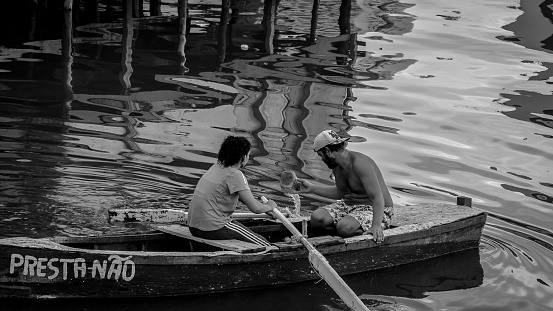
column 330, row 192
column 368, row 177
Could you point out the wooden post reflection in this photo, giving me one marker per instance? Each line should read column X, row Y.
column 68, row 4
column 140, row 8
column 346, row 47
column 345, row 17
column 91, row 10
column 269, row 12
column 223, row 25
column 32, row 21
column 314, row 20
column 67, row 46
column 126, row 46
column 183, row 19
column 135, row 8
column 155, row 7
column 284, row 130
column 352, row 50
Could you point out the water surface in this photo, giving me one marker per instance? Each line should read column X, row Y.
column 449, row 98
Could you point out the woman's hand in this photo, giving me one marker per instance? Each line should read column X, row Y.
column 272, row 204
column 269, row 203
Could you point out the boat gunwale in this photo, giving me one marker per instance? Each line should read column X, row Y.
column 357, row 243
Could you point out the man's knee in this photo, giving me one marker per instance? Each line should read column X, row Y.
column 348, row 227
column 321, row 218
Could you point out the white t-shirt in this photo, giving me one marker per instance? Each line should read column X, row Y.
column 215, row 197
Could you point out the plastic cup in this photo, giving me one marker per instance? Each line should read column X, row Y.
column 289, row 182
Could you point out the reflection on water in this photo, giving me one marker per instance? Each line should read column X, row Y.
column 114, row 104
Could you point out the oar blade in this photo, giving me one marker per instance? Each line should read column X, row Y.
column 321, row 265
column 325, row 270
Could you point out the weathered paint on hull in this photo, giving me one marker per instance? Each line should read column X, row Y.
column 158, row 274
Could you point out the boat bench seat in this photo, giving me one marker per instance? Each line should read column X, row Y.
column 231, row 245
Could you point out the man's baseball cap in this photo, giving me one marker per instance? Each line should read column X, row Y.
column 325, row 138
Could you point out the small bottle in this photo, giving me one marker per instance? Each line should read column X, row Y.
column 289, row 182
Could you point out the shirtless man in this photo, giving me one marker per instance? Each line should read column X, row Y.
column 364, row 203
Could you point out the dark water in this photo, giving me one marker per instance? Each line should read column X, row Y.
column 449, row 98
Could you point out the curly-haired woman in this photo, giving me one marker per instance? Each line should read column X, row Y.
column 217, row 193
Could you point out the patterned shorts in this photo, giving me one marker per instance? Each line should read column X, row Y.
column 362, row 213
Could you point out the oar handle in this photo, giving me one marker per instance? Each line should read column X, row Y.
column 287, row 223
column 283, row 219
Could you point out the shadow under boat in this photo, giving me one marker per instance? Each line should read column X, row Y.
column 461, row 270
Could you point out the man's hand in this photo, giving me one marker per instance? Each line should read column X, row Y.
column 306, row 186
column 377, row 233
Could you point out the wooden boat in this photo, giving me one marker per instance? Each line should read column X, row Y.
column 173, row 262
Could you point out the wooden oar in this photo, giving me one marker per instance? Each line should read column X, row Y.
column 321, row 265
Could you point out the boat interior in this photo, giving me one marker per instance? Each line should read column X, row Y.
column 177, row 238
